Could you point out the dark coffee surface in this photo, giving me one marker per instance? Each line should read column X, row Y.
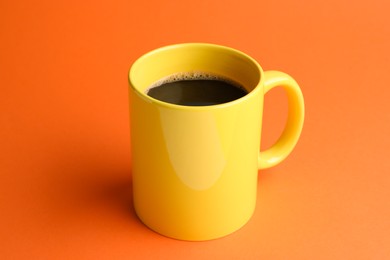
column 198, row 92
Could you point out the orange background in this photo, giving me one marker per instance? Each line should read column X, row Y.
column 65, row 160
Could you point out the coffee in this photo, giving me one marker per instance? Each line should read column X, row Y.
column 196, row 89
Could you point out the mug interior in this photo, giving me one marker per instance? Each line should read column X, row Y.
column 193, row 58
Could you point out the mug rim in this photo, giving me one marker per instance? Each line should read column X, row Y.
column 257, row 88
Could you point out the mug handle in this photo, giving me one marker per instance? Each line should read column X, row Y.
column 296, row 113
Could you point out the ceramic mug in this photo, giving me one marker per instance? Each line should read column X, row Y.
column 195, row 168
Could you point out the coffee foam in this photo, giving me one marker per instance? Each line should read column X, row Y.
column 193, row 75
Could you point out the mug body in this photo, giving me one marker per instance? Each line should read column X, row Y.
column 195, row 168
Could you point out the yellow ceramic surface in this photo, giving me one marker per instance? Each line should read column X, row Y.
column 195, row 167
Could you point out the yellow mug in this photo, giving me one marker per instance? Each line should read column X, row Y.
column 195, row 168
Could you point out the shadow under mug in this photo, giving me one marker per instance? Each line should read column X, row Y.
column 195, row 167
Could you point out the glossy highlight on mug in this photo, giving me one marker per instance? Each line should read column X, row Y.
column 198, row 171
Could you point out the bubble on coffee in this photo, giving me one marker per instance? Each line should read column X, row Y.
column 192, row 75
column 196, row 89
